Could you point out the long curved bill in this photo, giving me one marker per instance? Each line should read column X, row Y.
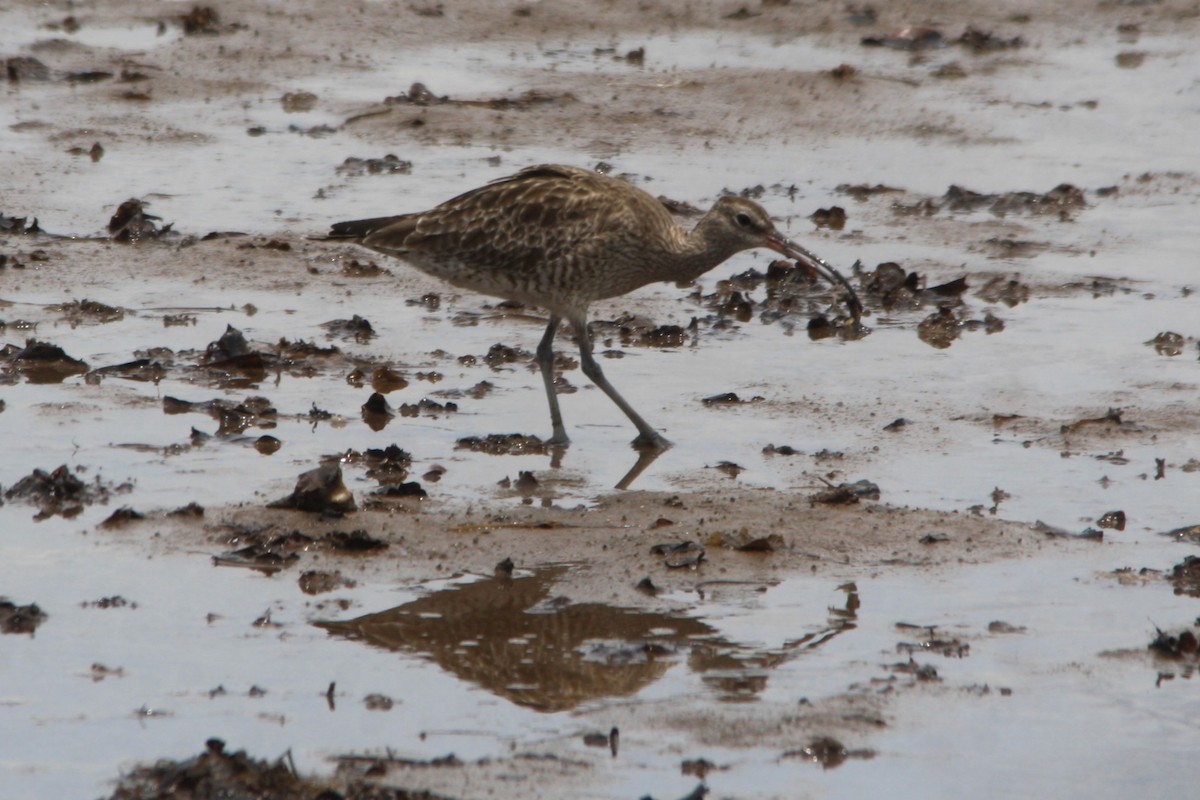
column 818, row 265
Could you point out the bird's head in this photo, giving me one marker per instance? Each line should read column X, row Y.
column 739, row 224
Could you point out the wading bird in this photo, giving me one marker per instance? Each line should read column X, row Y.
column 562, row 237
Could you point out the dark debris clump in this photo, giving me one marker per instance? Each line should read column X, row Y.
column 216, row 773
column 20, row 619
column 1061, row 200
column 1183, row 645
column 319, row 490
column 40, row 362
column 497, row 444
column 131, row 223
column 58, row 492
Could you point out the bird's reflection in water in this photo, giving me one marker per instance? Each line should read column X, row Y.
column 509, row 636
column 645, row 457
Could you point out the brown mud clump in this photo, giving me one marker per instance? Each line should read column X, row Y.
column 20, row 619
column 40, row 362
column 60, row 492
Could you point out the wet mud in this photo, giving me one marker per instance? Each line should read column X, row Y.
column 292, row 506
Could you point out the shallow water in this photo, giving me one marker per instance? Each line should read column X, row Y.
column 1075, row 722
column 161, row 705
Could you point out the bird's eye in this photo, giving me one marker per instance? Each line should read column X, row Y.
column 743, row 219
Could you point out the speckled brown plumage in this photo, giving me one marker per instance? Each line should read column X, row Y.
column 562, row 237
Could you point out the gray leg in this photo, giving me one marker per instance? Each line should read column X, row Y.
column 545, row 360
column 647, row 436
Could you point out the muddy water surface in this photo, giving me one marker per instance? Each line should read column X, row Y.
column 869, row 649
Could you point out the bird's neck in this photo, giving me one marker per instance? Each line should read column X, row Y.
column 700, row 250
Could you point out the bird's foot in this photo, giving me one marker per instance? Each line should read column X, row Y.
column 558, row 439
column 651, row 440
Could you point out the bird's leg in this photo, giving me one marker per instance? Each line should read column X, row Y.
column 545, row 360
column 647, row 437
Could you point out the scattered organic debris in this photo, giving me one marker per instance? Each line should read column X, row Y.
column 420, row 95
column 609, row 741
column 1168, row 343
column 504, row 444
column 828, row 752
column 265, row 550
column 978, row 41
column 501, row 354
column 298, row 102
column 400, row 490
column 921, row 672
column 846, row 493
column 357, row 328
column 729, row 468
column 388, row 465
column 26, row 68
column 18, row 226
column 232, row 350
column 80, row 311
column 355, row 541
column 219, row 773
column 318, row 582
column 932, row 643
column 40, row 362
column 679, row 554
column 729, row 399
column 321, row 490
column 130, row 223
column 647, row 586
column 60, row 492
column 378, row 702
column 919, row 38
column 833, row 217
column 204, row 20
column 115, row 601
column 1062, row 201
column 698, row 767
column 428, row 408
column 744, row 541
column 1112, row 418
column 140, row 369
column 913, row 38
column 388, row 165
column 1186, row 576
column 192, row 509
column 861, row 192
column 1178, row 646
column 121, row 517
column 234, row 418
column 1055, row 532
column 1189, row 533
column 1009, row 291
column 638, row 331
column 20, row 619
column 1005, row 247
column 267, row 444
column 376, row 412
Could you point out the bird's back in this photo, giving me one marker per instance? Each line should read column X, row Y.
column 554, row 236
